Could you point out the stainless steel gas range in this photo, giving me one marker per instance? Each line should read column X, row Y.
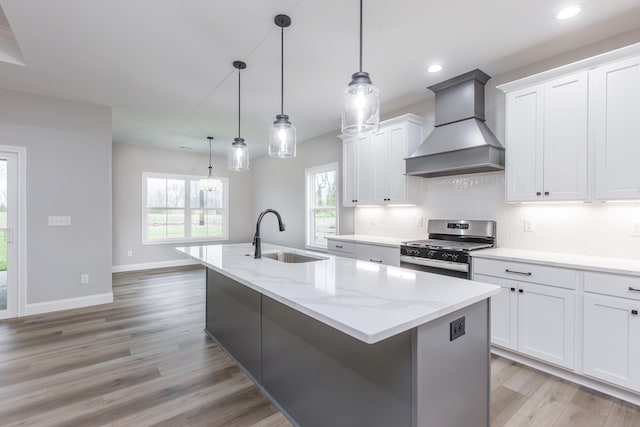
column 446, row 251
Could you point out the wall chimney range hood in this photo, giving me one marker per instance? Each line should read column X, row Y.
column 461, row 142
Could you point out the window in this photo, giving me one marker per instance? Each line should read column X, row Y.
column 175, row 209
column 322, row 207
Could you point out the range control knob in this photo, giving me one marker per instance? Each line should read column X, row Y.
column 430, row 254
column 448, row 256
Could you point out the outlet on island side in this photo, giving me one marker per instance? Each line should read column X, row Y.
column 635, row 229
column 129, row 252
column 84, row 279
column 457, row 328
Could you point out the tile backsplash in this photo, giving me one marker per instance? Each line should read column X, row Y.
column 603, row 229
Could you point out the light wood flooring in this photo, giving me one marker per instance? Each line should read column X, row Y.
column 145, row 360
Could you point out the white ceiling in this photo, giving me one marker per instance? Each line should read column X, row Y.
column 165, row 65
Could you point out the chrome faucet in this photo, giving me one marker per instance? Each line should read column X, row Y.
column 256, row 237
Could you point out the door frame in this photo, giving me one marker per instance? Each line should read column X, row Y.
column 19, row 264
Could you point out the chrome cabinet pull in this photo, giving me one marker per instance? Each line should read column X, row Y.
column 375, row 260
column 339, row 246
column 517, row 272
column 634, row 312
column 632, row 289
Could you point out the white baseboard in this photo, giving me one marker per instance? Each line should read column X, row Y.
column 152, row 265
column 67, row 304
column 593, row 384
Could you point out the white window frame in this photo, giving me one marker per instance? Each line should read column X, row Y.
column 187, row 209
column 308, row 172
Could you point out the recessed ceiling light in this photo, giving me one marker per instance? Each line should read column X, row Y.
column 569, row 12
column 434, row 68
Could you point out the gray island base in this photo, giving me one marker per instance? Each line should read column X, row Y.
column 319, row 376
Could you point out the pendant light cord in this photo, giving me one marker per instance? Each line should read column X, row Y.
column 239, row 103
column 282, row 70
column 360, row 35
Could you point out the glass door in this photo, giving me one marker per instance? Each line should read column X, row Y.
column 8, row 285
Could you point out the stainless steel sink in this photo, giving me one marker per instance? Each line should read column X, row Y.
column 291, row 257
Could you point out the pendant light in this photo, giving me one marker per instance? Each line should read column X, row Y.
column 238, row 159
column 361, row 101
column 208, row 184
column 282, row 138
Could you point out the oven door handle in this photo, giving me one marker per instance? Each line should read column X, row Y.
column 445, row 265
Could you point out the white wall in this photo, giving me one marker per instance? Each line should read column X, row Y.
column 68, row 173
column 583, row 228
column 280, row 184
column 129, row 161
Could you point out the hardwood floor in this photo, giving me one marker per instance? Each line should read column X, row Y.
column 145, row 360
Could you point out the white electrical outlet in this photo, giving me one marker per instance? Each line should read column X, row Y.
column 529, row 225
column 419, row 221
column 59, row 221
column 635, row 229
column 84, row 279
column 129, row 253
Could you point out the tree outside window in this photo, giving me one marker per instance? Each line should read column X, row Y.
column 322, row 208
column 177, row 209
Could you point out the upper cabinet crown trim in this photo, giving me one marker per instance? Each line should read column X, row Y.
column 584, row 64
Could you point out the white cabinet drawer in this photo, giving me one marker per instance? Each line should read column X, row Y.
column 340, row 246
column 523, row 272
column 616, row 285
column 380, row 254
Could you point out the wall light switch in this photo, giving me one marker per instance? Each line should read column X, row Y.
column 419, row 221
column 59, row 221
column 529, row 225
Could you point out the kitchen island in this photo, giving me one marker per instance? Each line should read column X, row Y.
column 343, row 342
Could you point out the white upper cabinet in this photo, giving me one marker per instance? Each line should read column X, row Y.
column 565, row 146
column 546, row 141
column 615, row 129
column 374, row 168
column 349, row 180
column 573, row 133
column 357, row 174
column 524, row 138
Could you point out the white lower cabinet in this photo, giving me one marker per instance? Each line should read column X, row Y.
column 504, row 312
column 536, row 320
column 612, row 340
column 612, row 328
column 546, row 322
column 542, row 321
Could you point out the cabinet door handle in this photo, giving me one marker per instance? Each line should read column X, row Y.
column 632, row 289
column 538, row 193
column 339, row 246
column 546, row 193
column 521, row 291
column 517, row 272
column 634, row 312
column 375, row 260
column 513, row 289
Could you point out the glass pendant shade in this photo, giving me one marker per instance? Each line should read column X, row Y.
column 238, row 159
column 282, row 138
column 361, row 106
column 208, row 183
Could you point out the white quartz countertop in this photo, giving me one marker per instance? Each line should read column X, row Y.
column 365, row 300
column 392, row 242
column 580, row 262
